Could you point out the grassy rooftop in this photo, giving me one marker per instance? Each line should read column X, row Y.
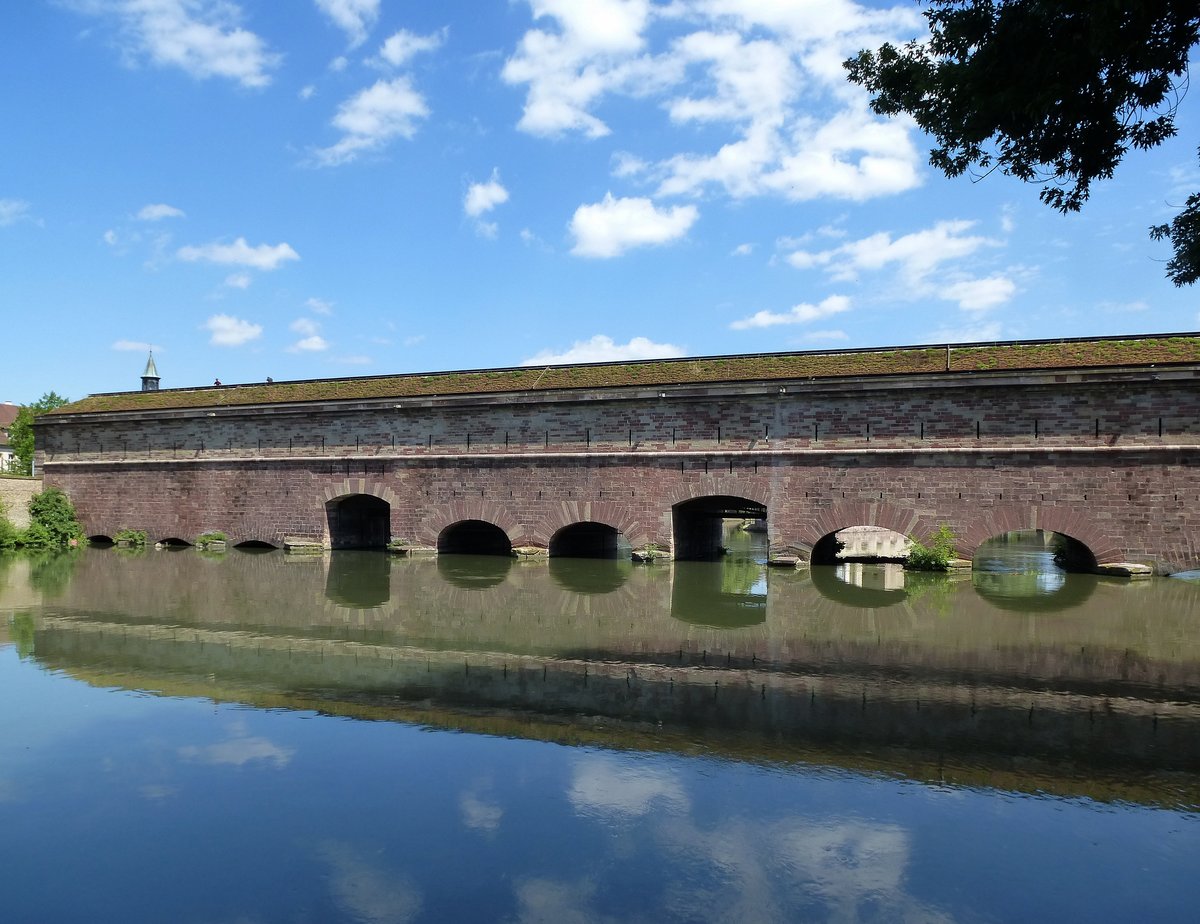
column 1018, row 355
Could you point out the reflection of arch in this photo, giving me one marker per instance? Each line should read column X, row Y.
column 1019, row 593
column 474, row 572
column 699, row 596
column 696, row 523
column 359, row 579
column 857, row 586
column 473, row 537
column 358, row 521
column 585, row 540
column 589, row 577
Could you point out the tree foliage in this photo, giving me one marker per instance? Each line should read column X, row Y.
column 20, row 433
column 1049, row 91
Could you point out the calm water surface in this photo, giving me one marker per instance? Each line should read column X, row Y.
column 257, row 738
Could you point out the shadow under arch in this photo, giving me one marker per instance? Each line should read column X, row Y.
column 589, row 577
column 696, row 524
column 586, row 539
column 474, row 537
column 173, row 543
column 255, row 545
column 359, row 579
column 358, row 521
column 862, row 586
column 474, row 572
column 101, row 541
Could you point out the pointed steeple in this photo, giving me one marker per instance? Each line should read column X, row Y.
column 150, row 376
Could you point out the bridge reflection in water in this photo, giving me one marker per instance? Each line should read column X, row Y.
column 934, row 677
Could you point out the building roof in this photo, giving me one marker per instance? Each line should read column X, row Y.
column 8, row 413
column 1158, row 349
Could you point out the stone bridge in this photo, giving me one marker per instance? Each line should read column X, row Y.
column 1097, row 440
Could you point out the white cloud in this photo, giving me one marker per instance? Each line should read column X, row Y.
column 971, row 333
column 369, row 120
column 239, row 253
column 602, row 349
column 240, row 751
column 766, row 76
column 803, row 313
column 403, row 46
column 920, row 262
column 354, row 17
column 238, row 280
column 310, row 340
column 158, row 211
column 12, row 211
column 319, row 306
column 230, row 331
column 742, row 250
column 137, row 346
column 610, row 227
column 483, row 197
column 110, row 237
column 203, row 38
column 308, row 91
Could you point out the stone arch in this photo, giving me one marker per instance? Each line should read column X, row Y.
column 1067, row 521
column 825, row 522
column 609, row 513
column 476, row 508
column 474, row 537
column 172, row 542
column 719, row 486
column 696, row 523
column 375, row 512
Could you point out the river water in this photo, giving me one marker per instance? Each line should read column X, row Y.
column 247, row 738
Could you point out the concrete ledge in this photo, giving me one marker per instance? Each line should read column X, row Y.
column 303, row 545
column 786, row 561
column 648, row 556
column 1125, row 569
column 531, row 552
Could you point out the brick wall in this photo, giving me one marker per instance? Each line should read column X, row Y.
column 14, row 498
column 1108, row 459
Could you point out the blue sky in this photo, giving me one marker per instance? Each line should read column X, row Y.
column 313, row 188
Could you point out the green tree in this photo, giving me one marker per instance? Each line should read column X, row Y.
column 1050, row 91
column 20, row 434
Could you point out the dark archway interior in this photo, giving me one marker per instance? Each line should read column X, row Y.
column 359, row 521
column 473, row 537
column 174, row 543
column 696, row 524
column 585, row 540
column 359, row 579
column 825, row 551
column 255, row 545
column 101, row 541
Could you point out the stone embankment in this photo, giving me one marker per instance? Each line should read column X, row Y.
column 14, row 498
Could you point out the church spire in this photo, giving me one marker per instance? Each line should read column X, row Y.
column 150, row 376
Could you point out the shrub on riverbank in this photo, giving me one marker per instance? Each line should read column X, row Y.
column 52, row 525
column 933, row 555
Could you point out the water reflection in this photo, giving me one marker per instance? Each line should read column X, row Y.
column 589, row 576
column 861, row 585
column 474, row 572
column 358, row 579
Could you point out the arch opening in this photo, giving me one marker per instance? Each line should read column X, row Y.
column 255, row 545
column 173, row 542
column 359, row 521
column 473, row 537
column 588, row 540
column 101, row 541
column 697, row 524
column 861, row 544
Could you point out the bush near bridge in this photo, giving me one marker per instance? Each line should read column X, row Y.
column 52, row 525
column 933, row 555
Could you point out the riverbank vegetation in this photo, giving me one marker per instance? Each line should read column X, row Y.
column 934, row 554
column 52, row 525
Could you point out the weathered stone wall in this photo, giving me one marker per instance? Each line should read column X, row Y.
column 14, row 498
column 1110, row 459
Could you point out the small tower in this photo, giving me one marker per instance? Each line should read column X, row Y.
column 150, row 376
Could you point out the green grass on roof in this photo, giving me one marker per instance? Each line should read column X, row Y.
column 1047, row 355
